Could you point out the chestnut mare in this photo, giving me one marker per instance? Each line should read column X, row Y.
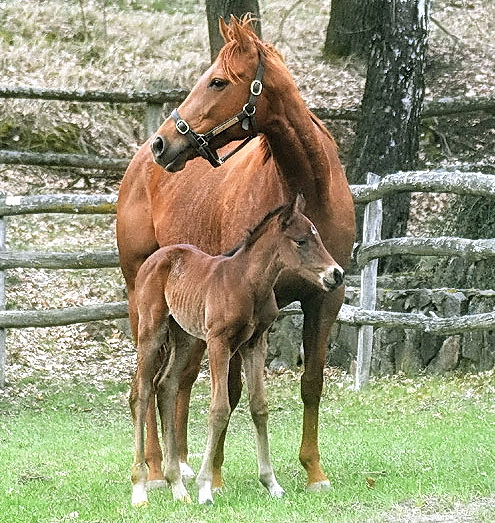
column 171, row 195
column 229, row 302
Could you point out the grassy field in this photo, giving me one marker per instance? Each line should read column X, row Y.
column 403, row 448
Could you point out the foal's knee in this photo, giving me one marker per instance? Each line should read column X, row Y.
column 259, row 411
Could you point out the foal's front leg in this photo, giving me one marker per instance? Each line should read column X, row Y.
column 253, row 357
column 219, row 356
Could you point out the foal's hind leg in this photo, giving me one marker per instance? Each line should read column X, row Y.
column 253, row 357
column 167, row 399
column 149, row 344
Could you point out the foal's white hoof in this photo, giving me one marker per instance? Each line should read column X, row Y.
column 139, row 496
column 186, row 472
column 156, row 484
column 277, row 491
column 319, row 486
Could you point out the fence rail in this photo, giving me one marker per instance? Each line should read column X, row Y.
column 154, row 101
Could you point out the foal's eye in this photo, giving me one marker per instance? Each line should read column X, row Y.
column 217, row 84
column 300, row 243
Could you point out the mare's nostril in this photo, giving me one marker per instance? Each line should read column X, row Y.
column 158, row 146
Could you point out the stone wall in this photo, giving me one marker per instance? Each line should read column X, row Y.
column 401, row 350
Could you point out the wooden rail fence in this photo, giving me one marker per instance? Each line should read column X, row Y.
column 155, row 100
column 371, row 249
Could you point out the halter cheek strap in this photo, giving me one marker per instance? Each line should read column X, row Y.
column 201, row 141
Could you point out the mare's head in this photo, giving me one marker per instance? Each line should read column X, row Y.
column 298, row 245
column 229, row 102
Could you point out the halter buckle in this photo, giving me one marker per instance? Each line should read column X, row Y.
column 256, row 87
column 182, row 126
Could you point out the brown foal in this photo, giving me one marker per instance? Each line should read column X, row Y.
column 228, row 301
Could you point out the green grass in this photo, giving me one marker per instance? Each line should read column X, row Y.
column 66, row 452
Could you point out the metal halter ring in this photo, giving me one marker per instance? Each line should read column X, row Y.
column 182, row 126
column 247, row 112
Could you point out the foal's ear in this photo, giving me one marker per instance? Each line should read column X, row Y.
column 299, row 203
column 297, row 206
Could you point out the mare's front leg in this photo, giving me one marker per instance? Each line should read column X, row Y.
column 219, row 356
column 320, row 312
column 253, row 357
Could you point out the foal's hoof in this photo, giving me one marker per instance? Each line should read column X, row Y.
column 156, row 484
column 319, row 486
column 186, row 472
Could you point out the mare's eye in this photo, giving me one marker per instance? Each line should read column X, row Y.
column 300, row 243
column 217, row 84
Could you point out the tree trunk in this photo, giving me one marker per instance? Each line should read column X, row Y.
column 387, row 134
column 224, row 8
column 351, row 28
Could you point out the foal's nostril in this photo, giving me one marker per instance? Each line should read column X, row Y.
column 158, row 145
column 334, row 278
column 338, row 275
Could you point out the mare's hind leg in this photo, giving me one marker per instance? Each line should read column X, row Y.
column 319, row 314
column 168, row 384
column 253, row 356
column 219, row 355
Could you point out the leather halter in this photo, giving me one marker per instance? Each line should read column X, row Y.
column 201, row 141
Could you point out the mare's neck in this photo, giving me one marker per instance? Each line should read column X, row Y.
column 298, row 146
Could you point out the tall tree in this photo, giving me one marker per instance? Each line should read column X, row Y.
column 387, row 135
column 351, row 27
column 224, row 8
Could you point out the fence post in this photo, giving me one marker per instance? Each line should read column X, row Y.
column 3, row 352
column 372, row 225
column 153, row 118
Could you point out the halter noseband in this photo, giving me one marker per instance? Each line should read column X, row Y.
column 201, row 141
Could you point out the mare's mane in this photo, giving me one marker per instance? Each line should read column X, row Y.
column 254, row 233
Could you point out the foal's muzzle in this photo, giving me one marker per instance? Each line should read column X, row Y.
column 333, row 278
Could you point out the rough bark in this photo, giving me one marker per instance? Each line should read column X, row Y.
column 387, row 134
column 351, row 27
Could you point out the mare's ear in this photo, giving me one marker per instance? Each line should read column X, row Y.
column 239, row 34
column 224, row 29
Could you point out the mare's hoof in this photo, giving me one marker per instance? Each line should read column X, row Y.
column 140, row 504
column 319, row 486
column 156, row 484
column 277, row 492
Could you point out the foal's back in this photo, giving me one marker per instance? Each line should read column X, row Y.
column 174, row 281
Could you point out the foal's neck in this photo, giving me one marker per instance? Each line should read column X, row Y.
column 260, row 264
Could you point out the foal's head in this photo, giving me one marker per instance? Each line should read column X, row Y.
column 298, row 245
column 236, row 84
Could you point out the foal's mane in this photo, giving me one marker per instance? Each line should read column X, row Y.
column 254, row 233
